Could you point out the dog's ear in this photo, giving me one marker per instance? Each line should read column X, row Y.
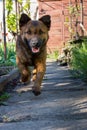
column 23, row 20
column 46, row 19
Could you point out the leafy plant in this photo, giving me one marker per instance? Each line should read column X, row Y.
column 9, row 4
column 11, row 56
column 79, row 60
column 12, row 17
column 25, row 7
column 11, row 22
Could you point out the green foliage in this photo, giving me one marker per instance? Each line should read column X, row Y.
column 11, row 60
column 53, row 55
column 11, row 18
column 11, row 22
column 56, row 54
column 74, row 10
column 79, row 59
column 4, row 96
column 9, row 4
column 20, row 1
column 25, row 7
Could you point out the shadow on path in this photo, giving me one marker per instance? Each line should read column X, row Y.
column 61, row 106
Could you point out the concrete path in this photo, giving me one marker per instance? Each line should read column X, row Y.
column 61, row 106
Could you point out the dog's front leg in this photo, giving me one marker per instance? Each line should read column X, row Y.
column 40, row 70
column 25, row 73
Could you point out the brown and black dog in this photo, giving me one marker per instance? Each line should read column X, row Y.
column 31, row 49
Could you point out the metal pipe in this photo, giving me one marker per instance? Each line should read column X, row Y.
column 4, row 31
column 82, row 17
column 16, row 16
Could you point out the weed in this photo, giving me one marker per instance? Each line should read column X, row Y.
column 3, row 98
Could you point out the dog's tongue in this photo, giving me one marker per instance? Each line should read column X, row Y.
column 35, row 50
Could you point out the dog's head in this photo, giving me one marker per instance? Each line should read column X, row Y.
column 34, row 32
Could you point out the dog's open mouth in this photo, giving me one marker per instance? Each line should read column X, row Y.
column 35, row 49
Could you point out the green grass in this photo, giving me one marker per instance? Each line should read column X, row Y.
column 11, row 55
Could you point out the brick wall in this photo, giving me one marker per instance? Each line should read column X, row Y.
column 59, row 32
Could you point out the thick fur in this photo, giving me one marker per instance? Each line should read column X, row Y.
column 31, row 49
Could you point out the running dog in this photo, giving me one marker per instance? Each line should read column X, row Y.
column 31, row 49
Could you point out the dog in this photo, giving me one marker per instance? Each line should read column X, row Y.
column 31, row 49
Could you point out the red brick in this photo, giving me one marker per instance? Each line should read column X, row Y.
column 59, row 12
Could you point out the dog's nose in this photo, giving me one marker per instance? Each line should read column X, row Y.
column 34, row 41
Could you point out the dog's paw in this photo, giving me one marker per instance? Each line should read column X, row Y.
column 36, row 90
column 36, row 93
column 25, row 80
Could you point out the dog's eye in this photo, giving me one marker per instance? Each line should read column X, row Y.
column 28, row 32
column 40, row 32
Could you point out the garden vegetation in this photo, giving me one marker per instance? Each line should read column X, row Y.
column 78, row 62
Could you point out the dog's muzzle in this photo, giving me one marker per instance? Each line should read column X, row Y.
column 35, row 44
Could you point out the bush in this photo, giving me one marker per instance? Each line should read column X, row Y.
column 79, row 59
